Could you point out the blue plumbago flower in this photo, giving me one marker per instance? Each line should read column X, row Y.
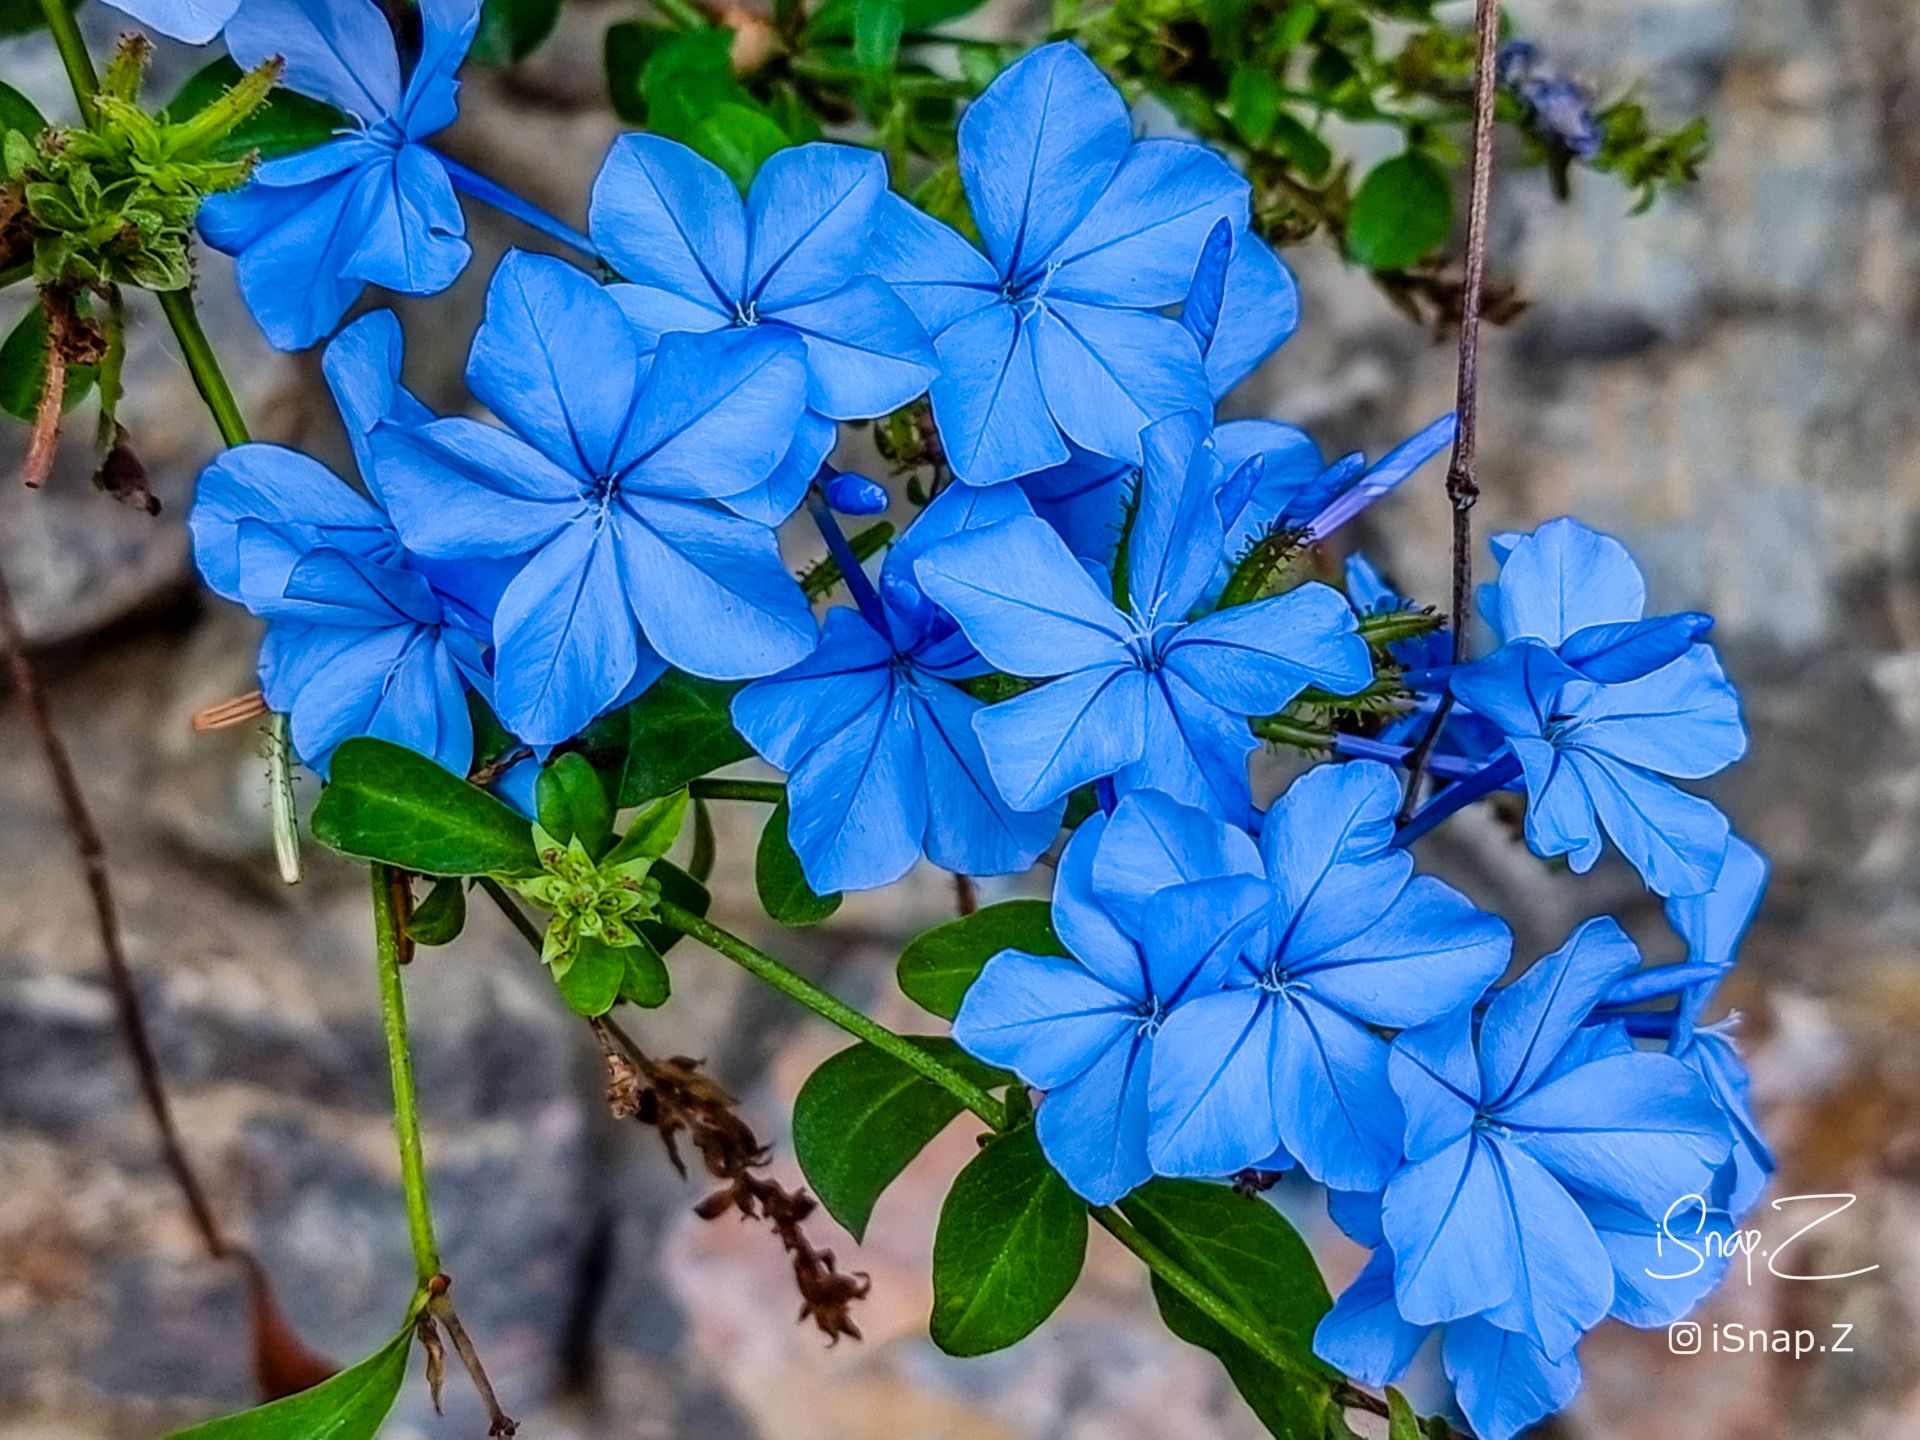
column 363, row 637
column 1277, row 1055
column 1712, row 925
column 373, row 206
column 1082, row 1028
column 1562, row 107
column 1595, row 757
column 194, row 21
column 879, row 744
column 613, row 481
column 1507, row 1139
column 1579, row 593
column 1142, row 694
column 1059, row 332
column 793, row 260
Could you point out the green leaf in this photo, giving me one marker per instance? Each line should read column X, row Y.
column 784, row 892
column 877, row 26
column 837, row 19
column 1402, row 1422
column 653, row 830
column 739, row 139
column 630, row 44
column 686, row 77
column 571, row 802
column 937, row 967
column 646, row 982
column 347, row 1406
column 1009, row 1246
column 17, row 112
column 439, row 919
column 678, row 731
column 1243, row 1250
column 861, row 1118
column 1302, row 145
column 1402, row 213
column 591, row 983
column 683, row 890
column 23, row 368
column 287, row 122
column 1253, row 103
column 511, row 30
column 384, row 802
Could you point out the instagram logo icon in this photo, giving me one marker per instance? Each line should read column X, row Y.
column 1683, row 1337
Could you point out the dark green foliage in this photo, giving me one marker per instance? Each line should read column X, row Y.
column 1401, row 213
column 439, row 919
column 387, row 803
column 678, row 731
column 511, row 30
column 937, row 967
column 347, row 1406
column 784, row 892
column 23, row 368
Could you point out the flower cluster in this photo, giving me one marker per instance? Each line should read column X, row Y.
column 1088, row 627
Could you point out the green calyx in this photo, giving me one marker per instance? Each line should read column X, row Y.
column 114, row 204
column 598, row 900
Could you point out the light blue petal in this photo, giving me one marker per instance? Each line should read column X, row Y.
column 1560, row 817
column 362, row 369
column 283, row 490
column 1203, row 935
column 1434, row 1072
column 1452, row 1227
column 565, row 640
column 1714, row 1059
column 193, row 21
column 810, row 221
column 1292, row 463
column 1363, row 1336
column 1046, row 1018
column 1682, row 720
column 1433, row 953
column 1531, row 1020
column 1260, row 312
column 1023, row 599
column 1565, row 1274
column 457, row 489
column 780, row 494
column 1211, row 1096
column 1093, row 1129
column 866, row 354
column 954, row 511
column 787, row 715
column 292, row 270
column 1629, row 649
column 1137, row 246
column 860, row 800
column 1503, row 1381
column 1173, row 545
column 1676, row 841
column 1338, row 1113
column 1255, row 659
column 333, row 587
column 447, row 30
column 716, row 415
column 1326, row 844
column 988, row 404
column 1563, row 578
column 940, row 276
column 413, row 233
column 1084, row 924
column 1037, row 149
column 666, row 217
column 1084, row 499
column 1714, row 923
column 340, row 51
column 1157, row 841
column 970, row 829
column 1662, row 1267
column 555, row 359
column 1109, row 372
column 1194, row 751
column 396, row 684
column 711, row 591
column 653, row 312
column 1049, row 741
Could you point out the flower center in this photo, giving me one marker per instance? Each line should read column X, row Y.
column 1559, row 728
column 746, row 313
column 1151, row 1016
column 1025, row 292
column 1149, row 643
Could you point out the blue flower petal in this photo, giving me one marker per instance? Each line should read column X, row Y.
column 1563, row 578
column 1107, row 374
column 988, row 401
column 1085, row 925
column 1093, row 1129
column 666, row 218
column 716, row 415
column 281, row 489
column 787, row 715
column 193, row 21
column 1173, row 545
column 565, row 639
column 1531, row 1020
column 1565, row 1283
column 1453, row 1231
column 1137, row 246
column 866, row 354
column 457, row 489
column 447, row 28
column 1682, row 720
column 1255, row 659
column 292, row 247
column 1363, row 1335
column 1212, row 1092
column 1676, row 841
column 1193, row 750
column 1199, row 936
column 1433, row 953
column 860, row 800
column 1158, row 842
column 809, row 222
column 1049, row 741
column 1046, row 1018
column 340, row 51
column 940, row 276
column 1338, row 1114
column 1503, row 1381
column 1662, row 1267
column 1261, row 310
column 970, row 829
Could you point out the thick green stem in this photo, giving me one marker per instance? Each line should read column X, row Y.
column 202, row 364
column 758, row 963
column 760, row 792
column 73, row 54
column 406, row 1102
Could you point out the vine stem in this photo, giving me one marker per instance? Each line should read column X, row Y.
column 828, row 1007
column 1463, row 486
column 759, row 792
column 390, row 950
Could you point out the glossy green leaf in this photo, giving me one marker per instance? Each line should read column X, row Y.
column 628, row 47
column 678, row 731
column 1302, row 145
column 937, row 967
column 591, row 983
column 439, row 919
column 1253, row 103
column 511, row 30
column 572, row 803
column 17, row 112
column 877, row 26
column 23, row 368
column 784, row 892
column 861, row 1118
column 1402, row 1422
column 739, row 139
column 1011, row 1240
column 347, row 1406
column 683, row 890
column 384, row 802
column 287, row 122
column 653, row 830
column 1243, row 1250
column 1402, row 213
column 686, row 78
column 646, row 982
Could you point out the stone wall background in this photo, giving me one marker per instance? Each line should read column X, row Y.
column 1728, row 383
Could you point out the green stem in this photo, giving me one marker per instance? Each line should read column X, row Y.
column 762, row 965
column 681, row 14
column 406, row 1101
column 202, row 364
column 760, row 792
column 14, row 274
column 73, row 54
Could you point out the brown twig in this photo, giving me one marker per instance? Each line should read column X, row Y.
column 91, row 854
column 966, row 895
column 439, row 1308
column 674, row 1096
column 1463, row 486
